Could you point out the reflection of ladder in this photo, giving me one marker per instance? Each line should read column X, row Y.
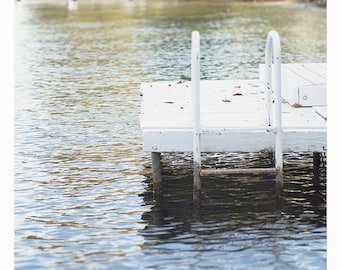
column 274, row 119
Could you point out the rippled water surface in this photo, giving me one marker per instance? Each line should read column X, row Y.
column 83, row 189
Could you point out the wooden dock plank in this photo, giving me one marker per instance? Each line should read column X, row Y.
column 307, row 73
column 301, row 118
column 209, row 88
column 235, row 116
column 319, row 68
column 208, row 120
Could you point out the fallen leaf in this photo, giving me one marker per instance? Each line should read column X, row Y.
column 297, row 105
column 238, row 94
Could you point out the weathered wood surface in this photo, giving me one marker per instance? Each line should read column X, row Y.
column 223, row 104
column 156, row 166
column 233, row 115
column 174, row 140
column 207, row 172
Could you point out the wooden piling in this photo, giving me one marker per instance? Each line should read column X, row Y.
column 316, row 168
column 316, row 163
column 156, row 167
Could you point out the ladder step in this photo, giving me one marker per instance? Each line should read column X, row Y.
column 207, row 172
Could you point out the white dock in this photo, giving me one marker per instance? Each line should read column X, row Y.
column 232, row 119
column 236, row 115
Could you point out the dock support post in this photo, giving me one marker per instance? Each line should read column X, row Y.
column 316, row 163
column 316, row 168
column 195, row 84
column 273, row 57
column 156, row 167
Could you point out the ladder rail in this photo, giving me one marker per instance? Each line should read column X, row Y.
column 196, row 107
column 273, row 83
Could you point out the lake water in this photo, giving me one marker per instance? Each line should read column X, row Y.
column 83, row 187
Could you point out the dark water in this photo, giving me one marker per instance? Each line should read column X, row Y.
column 83, row 190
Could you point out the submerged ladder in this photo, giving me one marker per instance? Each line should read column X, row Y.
column 273, row 115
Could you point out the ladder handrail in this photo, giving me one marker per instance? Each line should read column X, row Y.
column 273, row 58
column 195, row 84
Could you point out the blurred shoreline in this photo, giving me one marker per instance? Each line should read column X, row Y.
column 317, row 2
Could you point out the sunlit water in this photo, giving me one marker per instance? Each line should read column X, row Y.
column 83, row 189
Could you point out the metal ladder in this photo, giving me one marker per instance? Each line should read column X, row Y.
column 273, row 84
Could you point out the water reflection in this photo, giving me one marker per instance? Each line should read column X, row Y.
column 238, row 217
